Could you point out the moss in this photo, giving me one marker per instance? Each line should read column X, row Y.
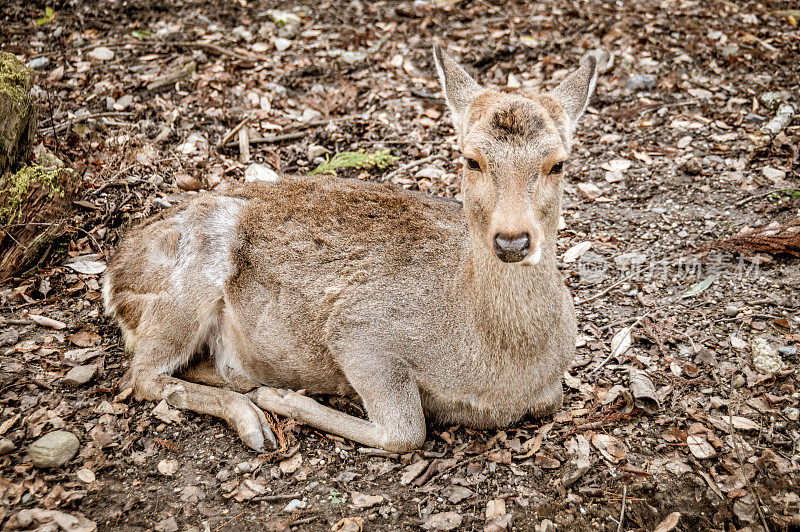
column 16, row 186
column 15, row 79
column 355, row 159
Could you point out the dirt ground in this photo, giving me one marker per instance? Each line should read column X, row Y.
column 693, row 427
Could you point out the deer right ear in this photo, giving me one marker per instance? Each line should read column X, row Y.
column 458, row 87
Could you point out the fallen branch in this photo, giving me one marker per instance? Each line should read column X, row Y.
column 82, row 118
column 291, row 136
column 229, row 135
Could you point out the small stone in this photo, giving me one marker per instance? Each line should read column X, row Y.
column 6, row 446
column 315, row 150
column 641, row 82
column 282, row 44
column 731, row 311
column 79, row 375
column 224, row 475
column 362, row 500
column 39, row 63
column 167, row 467
column 24, row 518
column 765, row 358
column 773, row 174
column 791, row 413
column 788, row 350
column 294, row 504
column 102, row 53
column 54, row 449
column 123, row 103
column 86, row 476
column 9, row 337
column 260, row 173
column 244, row 467
column 738, row 381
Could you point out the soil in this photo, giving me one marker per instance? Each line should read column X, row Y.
column 713, row 436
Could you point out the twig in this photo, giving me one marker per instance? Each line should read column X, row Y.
column 748, row 199
column 83, row 118
column 458, row 464
column 618, row 322
column 370, row 451
column 412, row 164
column 276, row 498
column 244, row 145
column 229, row 521
column 605, row 291
column 295, row 135
column 229, row 135
column 622, row 512
column 738, row 451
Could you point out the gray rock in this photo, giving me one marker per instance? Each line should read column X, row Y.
column 260, row 173
column 6, row 446
column 731, row 311
column 788, row 350
column 54, row 449
column 641, row 82
column 792, row 413
column 9, row 337
column 79, row 375
column 39, row 63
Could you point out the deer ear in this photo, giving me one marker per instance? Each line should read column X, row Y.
column 575, row 92
column 458, row 87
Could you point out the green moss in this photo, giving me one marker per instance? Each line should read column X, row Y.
column 15, row 79
column 355, row 159
column 16, row 187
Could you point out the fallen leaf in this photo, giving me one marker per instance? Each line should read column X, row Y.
column 699, row 447
column 575, row 252
column 84, row 338
column 621, row 342
column 610, row 447
column 669, row 522
column 699, row 287
column 644, row 392
column 413, row 471
column 44, row 321
column 362, row 500
column 291, row 464
column 87, row 266
column 166, row 414
column 349, row 524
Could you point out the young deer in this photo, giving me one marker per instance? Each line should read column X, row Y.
column 330, row 286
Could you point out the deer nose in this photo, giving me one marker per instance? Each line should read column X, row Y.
column 512, row 248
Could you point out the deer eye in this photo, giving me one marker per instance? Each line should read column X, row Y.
column 557, row 168
column 472, row 164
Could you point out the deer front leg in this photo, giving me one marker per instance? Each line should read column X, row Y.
column 396, row 420
column 237, row 409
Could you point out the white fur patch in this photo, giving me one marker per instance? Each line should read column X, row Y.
column 533, row 258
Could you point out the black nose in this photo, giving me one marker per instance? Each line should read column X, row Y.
column 512, row 248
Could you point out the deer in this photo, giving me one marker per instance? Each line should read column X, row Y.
column 261, row 296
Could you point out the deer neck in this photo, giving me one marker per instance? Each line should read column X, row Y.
column 506, row 302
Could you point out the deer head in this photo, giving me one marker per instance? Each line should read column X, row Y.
column 514, row 148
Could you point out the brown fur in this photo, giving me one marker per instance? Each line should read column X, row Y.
column 354, row 288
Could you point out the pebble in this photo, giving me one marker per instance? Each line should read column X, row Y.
column 54, row 449
column 738, row 381
column 244, row 467
column 39, row 63
column 102, row 53
column 79, row 375
column 224, row 475
column 9, row 337
column 294, row 504
column 641, row 82
column 282, row 44
column 260, row 173
column 123, row 103
column 315, row 150
column 792, row 413
column 765, row 358
column 731, row 311
column 773, row 174
column 6, row 446
column 788, row 350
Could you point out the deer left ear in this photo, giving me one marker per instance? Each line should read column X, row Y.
column 575, row 92
column 459, row 88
